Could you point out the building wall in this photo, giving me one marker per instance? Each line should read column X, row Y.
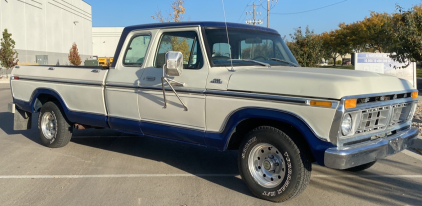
column 48, row 27
column 105, row 40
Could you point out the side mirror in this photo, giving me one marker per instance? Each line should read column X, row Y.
column 173, row 67
column 174, row 64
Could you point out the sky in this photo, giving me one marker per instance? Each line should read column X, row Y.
column 112, row 13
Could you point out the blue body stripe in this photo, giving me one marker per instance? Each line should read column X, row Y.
column 217, row 140
column 172, row 132
column 125, row 125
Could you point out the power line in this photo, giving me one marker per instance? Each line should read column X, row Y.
column 270, row 5
column 243, row 12
column 254, row 12
column 300, row 12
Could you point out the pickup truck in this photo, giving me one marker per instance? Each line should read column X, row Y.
column 226, row 86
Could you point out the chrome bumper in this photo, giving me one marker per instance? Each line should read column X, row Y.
column 355, row 156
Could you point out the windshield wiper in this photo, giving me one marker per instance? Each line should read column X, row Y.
column 280, row 60
column 251, row 60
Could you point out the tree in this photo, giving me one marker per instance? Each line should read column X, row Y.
column 406, row 29
column 356, row 36
column 307, row 48
column 343, row 45
column 329, row 46
column 8, row 54
column 176, row 16
column 376, row 31
column 74, row 57
column 176, row 43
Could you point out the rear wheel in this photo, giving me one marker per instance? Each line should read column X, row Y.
column 272, row 165
column 54, row 129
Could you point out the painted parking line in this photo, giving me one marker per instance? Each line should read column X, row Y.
column 183, row 175
column 111, row 176
column 369, row 176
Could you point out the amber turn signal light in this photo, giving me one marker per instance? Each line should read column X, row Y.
column 321, row 103
column 350, row 103
column 414, row 95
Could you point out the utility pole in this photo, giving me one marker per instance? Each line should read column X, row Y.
column 254, row 21
column 268, row 14
column 269, row 7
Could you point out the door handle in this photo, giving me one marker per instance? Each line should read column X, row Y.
column 51, row 68
column 177, row 84
column 95, row 71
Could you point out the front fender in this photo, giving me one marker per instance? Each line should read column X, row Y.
column 221, row 139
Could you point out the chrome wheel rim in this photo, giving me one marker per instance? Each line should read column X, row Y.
column 49, row 125
column 266, row 165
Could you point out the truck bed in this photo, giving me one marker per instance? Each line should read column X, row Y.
column 80, row 89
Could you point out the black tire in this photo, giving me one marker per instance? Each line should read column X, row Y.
column 361, row 167
column 63, row 131
column 298, row 164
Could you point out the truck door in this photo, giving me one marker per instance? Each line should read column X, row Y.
column 122, row 83
column 174, row 121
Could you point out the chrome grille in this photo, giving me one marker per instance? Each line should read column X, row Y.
column 373, row 119
column 400, row 113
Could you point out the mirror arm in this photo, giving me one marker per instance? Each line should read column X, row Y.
column 164, row 78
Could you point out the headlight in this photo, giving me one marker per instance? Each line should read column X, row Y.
column 346, row 125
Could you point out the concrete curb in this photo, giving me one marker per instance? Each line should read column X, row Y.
column 4, row 81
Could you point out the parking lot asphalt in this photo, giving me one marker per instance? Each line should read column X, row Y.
column 104, row 167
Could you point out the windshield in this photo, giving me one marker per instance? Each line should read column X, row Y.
column 247, row 45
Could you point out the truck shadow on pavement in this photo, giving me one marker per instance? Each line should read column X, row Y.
column 191, row 159
column 200, row 160
column 6, row 124
column 369, row 186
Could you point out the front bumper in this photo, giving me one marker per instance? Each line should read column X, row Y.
column 355, row 156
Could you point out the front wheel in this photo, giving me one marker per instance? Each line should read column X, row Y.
column 272, row 165
column 54, row 129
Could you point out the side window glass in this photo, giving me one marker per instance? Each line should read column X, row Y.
column 220, row 51
column 136, row 51
column 185, row 42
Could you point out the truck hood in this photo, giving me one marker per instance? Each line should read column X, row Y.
column 314, row 82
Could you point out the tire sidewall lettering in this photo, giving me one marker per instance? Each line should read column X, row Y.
column 247, row 145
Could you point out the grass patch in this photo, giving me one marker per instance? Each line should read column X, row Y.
column 419, row 72
column 339, row 67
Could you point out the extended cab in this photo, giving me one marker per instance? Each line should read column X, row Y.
column 225, row 86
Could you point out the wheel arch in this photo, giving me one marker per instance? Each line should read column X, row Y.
column 244, row 120
column 43, row 95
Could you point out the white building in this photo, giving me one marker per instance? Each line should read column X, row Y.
column 105, row 40
column 44, row 30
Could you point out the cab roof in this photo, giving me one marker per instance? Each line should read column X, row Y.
column 204, row 24
column 209, row 24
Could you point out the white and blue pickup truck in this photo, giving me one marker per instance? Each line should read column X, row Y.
column 229, row 87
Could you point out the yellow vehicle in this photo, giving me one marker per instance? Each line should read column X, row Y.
column 105, row 61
